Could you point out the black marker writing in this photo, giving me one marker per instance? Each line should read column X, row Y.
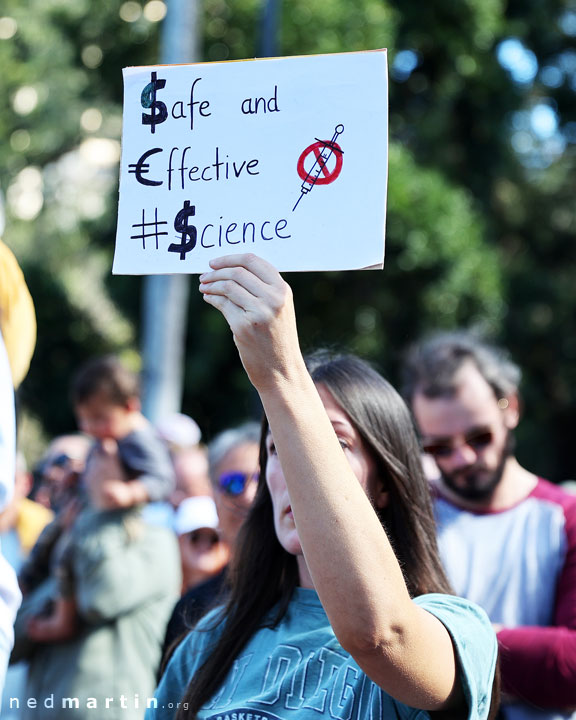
column 148, row 100
column 181, row 226
column 151, row 226
column 141, row 168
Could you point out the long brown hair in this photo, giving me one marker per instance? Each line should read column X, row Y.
column 264, row 575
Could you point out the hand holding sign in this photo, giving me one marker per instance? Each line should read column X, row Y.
column 257, row 304
column 224, row 155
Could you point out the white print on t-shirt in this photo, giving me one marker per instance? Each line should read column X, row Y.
column 326, row 681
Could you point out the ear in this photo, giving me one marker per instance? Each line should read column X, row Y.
column 133, row 404
column 382, row 499
column 511, row 411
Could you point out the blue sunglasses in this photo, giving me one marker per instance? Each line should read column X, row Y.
column 234, row 483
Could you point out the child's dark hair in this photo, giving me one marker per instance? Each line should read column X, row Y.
column 104, row 376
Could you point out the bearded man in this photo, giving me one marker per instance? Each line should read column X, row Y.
column 507, row 537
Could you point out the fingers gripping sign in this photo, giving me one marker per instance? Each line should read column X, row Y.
column 257, row 304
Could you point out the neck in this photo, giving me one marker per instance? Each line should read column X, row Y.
column 304, row 578
column 516, row 484
column 138, row 420
column 134, row 421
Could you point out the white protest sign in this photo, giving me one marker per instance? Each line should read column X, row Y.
column 283, row 157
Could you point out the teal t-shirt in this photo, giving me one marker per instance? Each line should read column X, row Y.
column 299, row 670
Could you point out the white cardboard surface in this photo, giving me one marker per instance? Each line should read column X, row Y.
column 283, row 157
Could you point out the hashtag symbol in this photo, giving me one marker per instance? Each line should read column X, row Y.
column 149, row 229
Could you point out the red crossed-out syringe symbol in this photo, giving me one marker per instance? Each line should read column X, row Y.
column 323, row 150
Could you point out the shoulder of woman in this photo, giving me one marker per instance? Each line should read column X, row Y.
column 475, row 644
column 442, row 604
column 189, row 655
column 202, row 636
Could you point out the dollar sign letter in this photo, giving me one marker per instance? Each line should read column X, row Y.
column 181, row 226
column 148, row 100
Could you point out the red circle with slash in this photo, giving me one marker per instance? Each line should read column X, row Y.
column 316, row 149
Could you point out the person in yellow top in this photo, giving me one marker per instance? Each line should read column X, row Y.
column 17, row 340
column 17, row 316
column 22, row 521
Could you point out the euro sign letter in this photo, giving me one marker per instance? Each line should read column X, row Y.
column 148, row 100
column 181, row 226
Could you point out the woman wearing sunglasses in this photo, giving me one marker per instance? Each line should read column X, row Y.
column 339, row 605
column 233, row 462
column 233, row 465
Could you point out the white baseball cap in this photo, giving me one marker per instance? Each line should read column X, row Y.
column 194, row 513
column 179, row 429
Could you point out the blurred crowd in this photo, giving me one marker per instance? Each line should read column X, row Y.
column 110, row 578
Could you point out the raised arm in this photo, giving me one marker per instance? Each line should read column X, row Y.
column 399, row 645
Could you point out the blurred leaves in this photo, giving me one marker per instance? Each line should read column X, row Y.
column 481, row 211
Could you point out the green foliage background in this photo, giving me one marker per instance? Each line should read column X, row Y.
column 481, row 212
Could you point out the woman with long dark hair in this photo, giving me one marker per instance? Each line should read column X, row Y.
column 339, row 606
